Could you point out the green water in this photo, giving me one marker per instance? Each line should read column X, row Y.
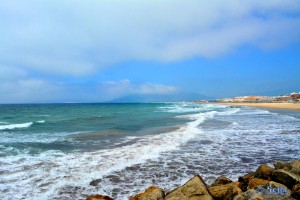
column 83, row 127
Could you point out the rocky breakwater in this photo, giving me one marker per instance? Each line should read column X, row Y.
column 279, row 183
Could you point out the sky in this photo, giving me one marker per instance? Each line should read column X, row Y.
column 101, row 50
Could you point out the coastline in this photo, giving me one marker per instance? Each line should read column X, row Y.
column 289, row 106
column 280, row 182
column 240, row 149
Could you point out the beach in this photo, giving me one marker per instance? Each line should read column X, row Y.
column 290, row 106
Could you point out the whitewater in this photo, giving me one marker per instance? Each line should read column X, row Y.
column 55, row 151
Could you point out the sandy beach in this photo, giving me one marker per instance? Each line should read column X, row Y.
column 290, row 106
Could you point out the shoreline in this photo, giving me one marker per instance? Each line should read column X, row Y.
column 281, row 182
column 288, row 106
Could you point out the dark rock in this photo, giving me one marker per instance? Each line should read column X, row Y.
column 222, row 180
column 245, row 180
column 279, row 165
column 95, row 182
column 151, row 193
column 99, row 197
column 194, row 189
column 287, row 178
column 296, row 191
column 264, row 172
column 235, row 106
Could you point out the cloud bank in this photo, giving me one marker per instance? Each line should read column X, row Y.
column 80, row 38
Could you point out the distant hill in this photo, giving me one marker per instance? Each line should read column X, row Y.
column 142, row 98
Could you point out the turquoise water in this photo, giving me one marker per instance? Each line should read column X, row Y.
column 69, row 127
column 54, row 151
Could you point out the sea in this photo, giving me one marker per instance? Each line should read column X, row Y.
column 54, row 151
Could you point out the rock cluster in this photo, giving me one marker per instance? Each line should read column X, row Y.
column 279, row 183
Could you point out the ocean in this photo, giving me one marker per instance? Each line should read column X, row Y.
column 54, row 151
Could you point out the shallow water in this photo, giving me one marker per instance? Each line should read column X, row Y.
column 129, row 147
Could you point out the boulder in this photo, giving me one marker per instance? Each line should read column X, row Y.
column 256, row 182
column 264, row 172
column 99, row 197
column 295, row 164
column 222, row 180
column 249, row 195
column 280, row 165
column 275, row 191
column 229, row 190
column 232, row 191
column 276, row 197
column 245, row 180
column 95, row 182
column 273, row 184
column 287, row 178
column 194, row 189
column 296, row 191
column 151, row 193
column 295, row 167
column 292, row 167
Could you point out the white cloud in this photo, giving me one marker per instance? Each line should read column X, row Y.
column 115, row 89
column 17, row 86
column 28, row 91
column 79, row 38
column 21, row 88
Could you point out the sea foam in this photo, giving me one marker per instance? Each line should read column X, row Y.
column 53, row 170
column 15, row 126
column 177, row 154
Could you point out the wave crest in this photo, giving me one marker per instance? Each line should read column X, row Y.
column 15, row 126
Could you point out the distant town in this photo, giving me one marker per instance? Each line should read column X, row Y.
column 288, row 98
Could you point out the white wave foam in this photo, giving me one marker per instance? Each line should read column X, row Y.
column 230, row 112
column 256, row 112
column 41, row 121
column 287, row 117
column 42, row 137
column 210, row 114
column 53, row 170
column 235, row 123
column 190, row 108
column 42, row 115
column 15, row 126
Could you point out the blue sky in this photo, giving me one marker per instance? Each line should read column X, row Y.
column 94, row 51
